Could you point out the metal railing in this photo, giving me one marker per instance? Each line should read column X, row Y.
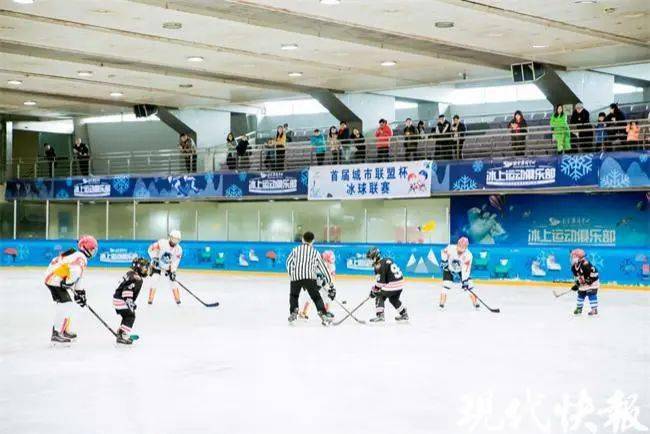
column 478, row 144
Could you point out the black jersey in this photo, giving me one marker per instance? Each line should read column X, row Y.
column 129, row 287
column 586, row 275
column 389, row 276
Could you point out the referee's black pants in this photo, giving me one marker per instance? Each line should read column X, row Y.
column 312, row 288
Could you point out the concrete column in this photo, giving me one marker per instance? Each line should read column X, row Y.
column 370, row 108
column 81, row 131
column 594, row 89
column 339, row 108
column 211, row 126
column 7, row 143
column 428, row 110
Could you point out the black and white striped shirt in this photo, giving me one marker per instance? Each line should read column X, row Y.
column 304, row 262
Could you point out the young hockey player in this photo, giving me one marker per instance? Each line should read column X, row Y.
column 125, row 296
column 586, row 281
column 165, row 257
column 389, row 285
column 62, row 278
column 323, row 287
column 456, row 266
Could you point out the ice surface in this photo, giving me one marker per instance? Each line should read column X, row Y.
column 240, row 368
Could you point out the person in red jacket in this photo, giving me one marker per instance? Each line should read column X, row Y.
column 383, row 135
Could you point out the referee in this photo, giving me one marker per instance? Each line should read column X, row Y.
column 303, row 265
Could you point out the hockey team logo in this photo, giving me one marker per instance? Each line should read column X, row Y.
column 520, row 173
column 272, row 183
column 121, row 256
column 92, row 188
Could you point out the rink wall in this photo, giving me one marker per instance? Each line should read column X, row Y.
column 618, row 265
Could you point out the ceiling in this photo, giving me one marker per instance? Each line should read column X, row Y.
column 124, row 45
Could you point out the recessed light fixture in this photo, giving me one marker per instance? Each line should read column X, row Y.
column 330, row 2
column 85, row 73
column 116, row 94
column 609, row 10
column 14, row 82
column 101, row 11
column 172, row 25
column 29, row 103
column 295, row 74
column 444, row 24
column 539, row 46
column 634, row 15
column 388, row 63
column 585, row 2
column 195, row 59
column 24, row 2
column 185, row 85
column 289, row 46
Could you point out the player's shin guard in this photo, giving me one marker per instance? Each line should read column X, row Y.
column 62, row 317
column 580, row 302
column 443, row 294
column 474, row 300
column 593, row 302
column 152, row 294
column 177, row 295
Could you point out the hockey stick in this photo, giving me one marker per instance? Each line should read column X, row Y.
column 215, row 304
column 101, row 320
column 352, row 311
column 348, row 312
column 497, row 310
column 560, row 294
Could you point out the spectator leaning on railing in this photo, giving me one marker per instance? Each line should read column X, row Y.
column 187, row 146
column 458, row 130
column 601, row 132
column 582, row 131
column 317, row 142
column 280, row 148
column 518, row 129
column 359, row 142
column 288, row 132
column 442, row 133
column 560, row 128
column 633, row 135
column 410, row 140
column 82, row 153
column 50, row 157
column 616, row 124
column 334, row 145
column 243, row 154
column 383, row 135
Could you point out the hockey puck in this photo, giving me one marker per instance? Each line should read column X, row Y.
column 344, row 302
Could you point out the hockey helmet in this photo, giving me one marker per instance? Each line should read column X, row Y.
column 577, row 255
column 328, row 256
column 141, row 266
column 462, row 244
column 175, row 237
column 87, row 245
column 374, row 254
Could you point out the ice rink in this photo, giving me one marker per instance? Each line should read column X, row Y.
column 239, row 368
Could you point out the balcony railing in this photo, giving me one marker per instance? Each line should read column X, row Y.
column 478, row 144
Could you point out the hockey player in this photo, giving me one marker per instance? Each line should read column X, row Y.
column 586, row 281
column 63, row 278
column 165, row 257
column 456, row 266
column 389, row 285
column 125, row 296
column 323, row 287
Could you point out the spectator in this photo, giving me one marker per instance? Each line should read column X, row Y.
column 458, row 129
column 560, row 128
column 615, row 124
column 289, row 133
column 82, row 153
column 317, row 142
column 243, row 154
column 280, row 148
column 188, row 147
column 359, row 143
column 297, row 238
column 269, row 155
column 633, row 135
column 518, row 129
column 442, row 133
column 231, row 146
column 50, row 157
column 601, row 132
column 383, row 135
column 410, row 140
column 334, row 145
column 584, row 135
column 422, row 136
column 344, row 138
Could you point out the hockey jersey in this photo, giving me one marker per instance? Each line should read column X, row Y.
column 586, row 275
column 389, row 275
column 129, row 288
column 458, row 264
column 66, row 269
column 168, row 257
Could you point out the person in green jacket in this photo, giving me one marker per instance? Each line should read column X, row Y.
column 560, row 128
column 317, row 142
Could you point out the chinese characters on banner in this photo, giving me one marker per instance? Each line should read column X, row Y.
column 368, row 181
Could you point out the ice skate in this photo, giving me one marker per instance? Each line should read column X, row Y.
column 293, row 317
column 578, row 311
column 593, row 311
column 377, row 319
column 70, row 335
column 325, row 319
column 123, row 339
column 403, row 317
column 441, row 306
column 58, row 338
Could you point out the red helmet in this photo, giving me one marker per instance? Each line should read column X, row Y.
column 87, row 245
column 328, row 256
column 462, row 244
column 577, row 255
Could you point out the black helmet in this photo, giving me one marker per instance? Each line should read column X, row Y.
column 374, row 254
column 140, row 266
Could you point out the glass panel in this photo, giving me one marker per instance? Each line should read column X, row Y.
column 31, row 220
column 427, row 220
column 212, row 221
column 6, row 220
column 63, row 220
column 310, row 216
column 182, row 216
column 347, row 221
column 385, row 221
column 92, row 219
column 120, row 216
column 276, row 222
column 150, row 221
column 242, row 221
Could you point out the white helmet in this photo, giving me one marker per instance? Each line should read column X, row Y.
column 175, row 236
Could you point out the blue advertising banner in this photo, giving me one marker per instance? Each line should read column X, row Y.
column 615, row 220
column 265, row 184
column 624, row 170
column 548, row 263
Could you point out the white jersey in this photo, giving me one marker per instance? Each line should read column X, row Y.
column 168, row 257
column 66, row 268
column 460, row 264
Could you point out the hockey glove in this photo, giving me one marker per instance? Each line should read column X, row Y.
column 575, row 287
column 465, row 285
column 171, row 275
column 80, row 297
column 374, row 292
column 331, row 293
column 131, row 305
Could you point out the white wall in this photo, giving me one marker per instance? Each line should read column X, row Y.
column 130, row 136
column 211, row 126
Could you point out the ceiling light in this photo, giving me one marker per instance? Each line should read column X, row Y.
column 539, row 46
column 609, row 10
column 14, row 82
column 185, row 85
column 85, row 73
column 172, row 25
column 289, row 46
column 295, row 74
column 444, row 24
column 24, row 2
column 195, row 59
column 101, row 11
column 330, row 2
column 29, row 103
column 116, row 94
column 586, row 2
column 388, row 63
column 634, row 15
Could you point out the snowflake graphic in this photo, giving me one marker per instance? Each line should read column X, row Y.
column 62, row 194
column 242, row 176
column 121, row 184
column 576, row 166
column 304, row 177
column 615, row 178
column 68, row 182
column 464, row 183
column 233, row 191
column 477, row 166
column 596, row 259
column 39, row 184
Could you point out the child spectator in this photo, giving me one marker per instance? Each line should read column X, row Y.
column 601, row 132
column 633, row 135
column 317, row 142
column 383, row 135
column 560, row 128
